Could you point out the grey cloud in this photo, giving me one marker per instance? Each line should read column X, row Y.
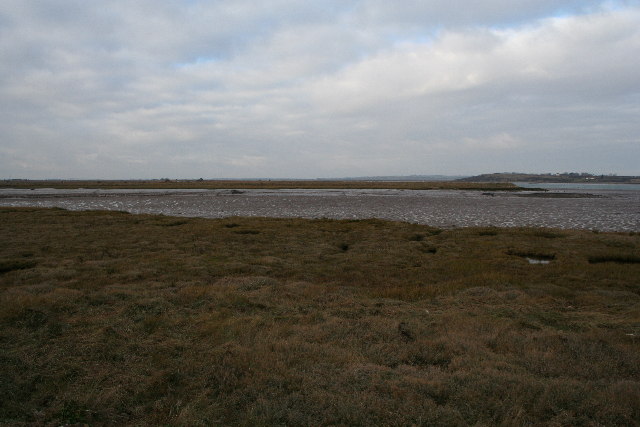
column 464, row 13
column 148, row 89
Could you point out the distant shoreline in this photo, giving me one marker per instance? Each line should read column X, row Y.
column 260, row 184
column 573, row 178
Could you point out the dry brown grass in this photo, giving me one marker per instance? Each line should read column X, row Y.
column 111, row 318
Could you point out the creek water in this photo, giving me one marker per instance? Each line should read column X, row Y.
column 568, row 207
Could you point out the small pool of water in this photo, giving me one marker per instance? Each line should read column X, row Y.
column 538, row 261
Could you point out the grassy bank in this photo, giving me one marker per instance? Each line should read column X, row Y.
column 112, row 318
column 266, row 184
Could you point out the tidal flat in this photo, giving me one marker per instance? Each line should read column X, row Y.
column 135, row 319
column 603, row 210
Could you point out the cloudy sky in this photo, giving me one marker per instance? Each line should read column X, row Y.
column 331, row 88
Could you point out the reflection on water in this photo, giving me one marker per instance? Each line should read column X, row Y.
column 611, row 210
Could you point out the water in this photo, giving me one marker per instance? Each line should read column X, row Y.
column 538, row 261
column 576, row 208
column 579, row 186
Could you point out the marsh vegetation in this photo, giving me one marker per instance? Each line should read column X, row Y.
column 113, row 318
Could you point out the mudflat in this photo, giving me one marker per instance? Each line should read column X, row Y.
column 604, row 210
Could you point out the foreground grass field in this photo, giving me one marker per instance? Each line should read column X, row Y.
column 260, row 184
column 111, row 318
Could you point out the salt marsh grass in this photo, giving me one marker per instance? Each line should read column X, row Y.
column 112, row 318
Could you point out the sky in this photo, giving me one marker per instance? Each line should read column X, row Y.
column 135, row 89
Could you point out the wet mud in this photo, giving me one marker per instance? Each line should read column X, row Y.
column 599, row 210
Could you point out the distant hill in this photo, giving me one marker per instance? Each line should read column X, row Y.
column 548, row 177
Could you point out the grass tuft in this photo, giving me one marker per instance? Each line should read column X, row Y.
column 15, row 264
column 620, row 259
column 247, row 232
column 173, row 223
column 532, row 254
